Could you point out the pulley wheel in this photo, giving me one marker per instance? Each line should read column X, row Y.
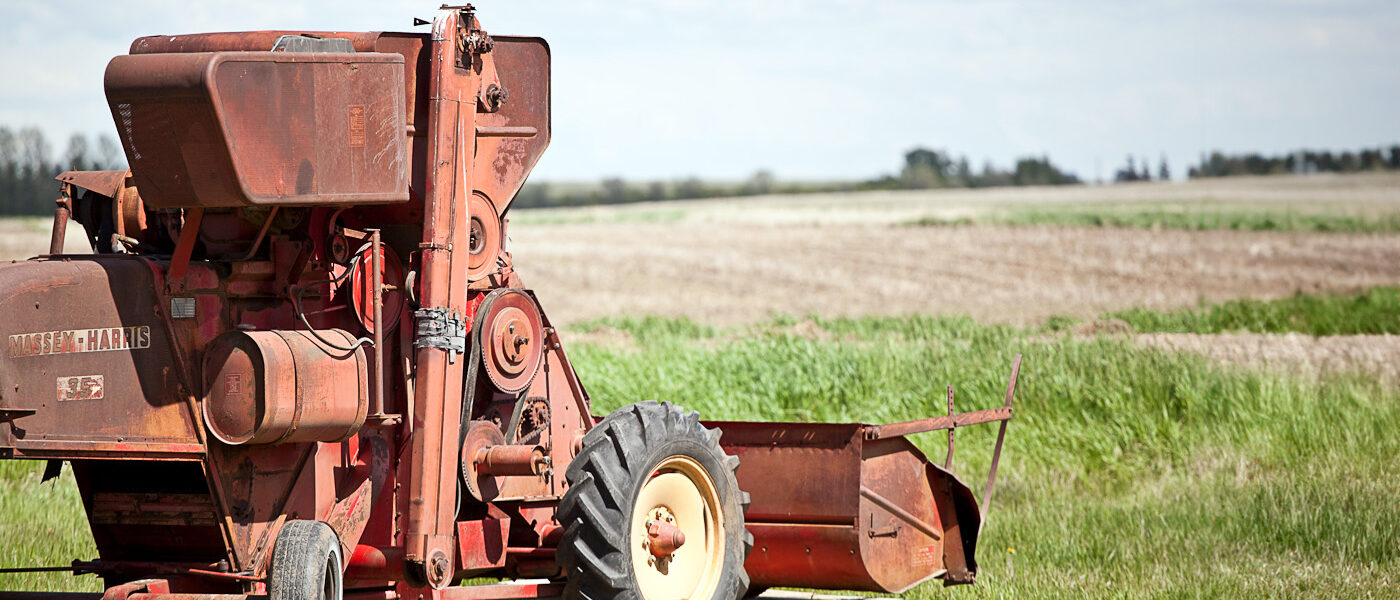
column 484, row 243
column 480, row 434
column 512, row 339
column 362, row 292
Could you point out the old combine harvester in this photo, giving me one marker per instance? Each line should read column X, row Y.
column 300, row 363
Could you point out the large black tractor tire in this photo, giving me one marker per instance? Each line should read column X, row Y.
column 306, row 563
column 643, row 464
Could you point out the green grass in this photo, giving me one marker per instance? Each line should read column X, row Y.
column 1373, row 311
column 1201, row 216
column 1128, row 473
column 42, row 524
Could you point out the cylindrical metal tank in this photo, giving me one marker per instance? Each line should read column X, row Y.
column 267, row 387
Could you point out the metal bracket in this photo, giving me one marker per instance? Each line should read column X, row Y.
column 10, row 414
column 438, row 328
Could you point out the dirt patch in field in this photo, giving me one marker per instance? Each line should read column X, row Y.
column 733, row 273
column 600, row 335
column 1376, row 355
column 25, row 237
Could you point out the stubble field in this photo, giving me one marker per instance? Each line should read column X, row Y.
column 735, row 261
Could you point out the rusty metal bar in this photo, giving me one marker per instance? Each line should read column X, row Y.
column 948, row 462
column 36, row 570
column 180, row 596
column 60, row 225
column 876, row 432
column 1001, row 436
column 510, row 132
column 189, row 234
column 511, row 460
column 262, row 234
column 900, row 512
column 376, row 278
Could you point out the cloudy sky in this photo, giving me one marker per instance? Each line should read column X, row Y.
column 834, row 89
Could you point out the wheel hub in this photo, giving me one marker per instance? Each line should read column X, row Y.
column 678, row 550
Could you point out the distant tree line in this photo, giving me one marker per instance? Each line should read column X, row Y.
column 1219, row 164
column 1131, row 171
column 28, row 168
column 923, row 169
column 927, row 169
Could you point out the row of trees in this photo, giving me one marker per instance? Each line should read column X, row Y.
column 927, row 169
column 923, row 169
column 28, row 167
column 1218, row 164
column 1130, row 172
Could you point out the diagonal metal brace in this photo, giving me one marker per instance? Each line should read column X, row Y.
column 1001, row 437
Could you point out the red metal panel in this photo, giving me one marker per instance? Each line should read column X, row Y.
column 107, row 183
column 514, row 136
column 228, row 129
column 833, row 509
column 69, row 322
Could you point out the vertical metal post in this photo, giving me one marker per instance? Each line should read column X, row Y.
column 60, row 225
column 376, row 279
column 948, row 462
column 1001, row 436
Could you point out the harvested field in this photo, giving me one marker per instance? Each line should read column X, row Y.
column 1370, row 355
column 21, row 238
column 1363, row 195
column 739, row 260
column 742, row 272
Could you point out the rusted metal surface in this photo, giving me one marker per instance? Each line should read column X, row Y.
column 52, row 362
column 267, row 387
column 60, row 226
column 990, row 415
column 513, row 335
column 228, row 129
column 836, row 508
column 107, row 183
column 663, row 538
column 948, row 461
column 432, row 473
column 511, row 460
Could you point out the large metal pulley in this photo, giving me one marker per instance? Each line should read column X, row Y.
column 512, row 338
column 486, row 235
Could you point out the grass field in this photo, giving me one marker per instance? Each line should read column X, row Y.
column 1129, row 472
column 1143, row 462
column 1373, row 311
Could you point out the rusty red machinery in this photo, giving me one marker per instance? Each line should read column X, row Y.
column 301, row 363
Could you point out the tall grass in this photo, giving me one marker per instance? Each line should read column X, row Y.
column 42, row 524
column 1128, row 472
column 1372, row 311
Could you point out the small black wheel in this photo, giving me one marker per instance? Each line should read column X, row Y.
column 306, row 563
column 653, row 511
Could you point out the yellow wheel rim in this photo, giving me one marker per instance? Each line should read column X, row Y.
column 681, row 493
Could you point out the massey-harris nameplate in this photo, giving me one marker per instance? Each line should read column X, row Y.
column 74, row 341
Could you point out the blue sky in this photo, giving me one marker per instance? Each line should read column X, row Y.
column 835, row 89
